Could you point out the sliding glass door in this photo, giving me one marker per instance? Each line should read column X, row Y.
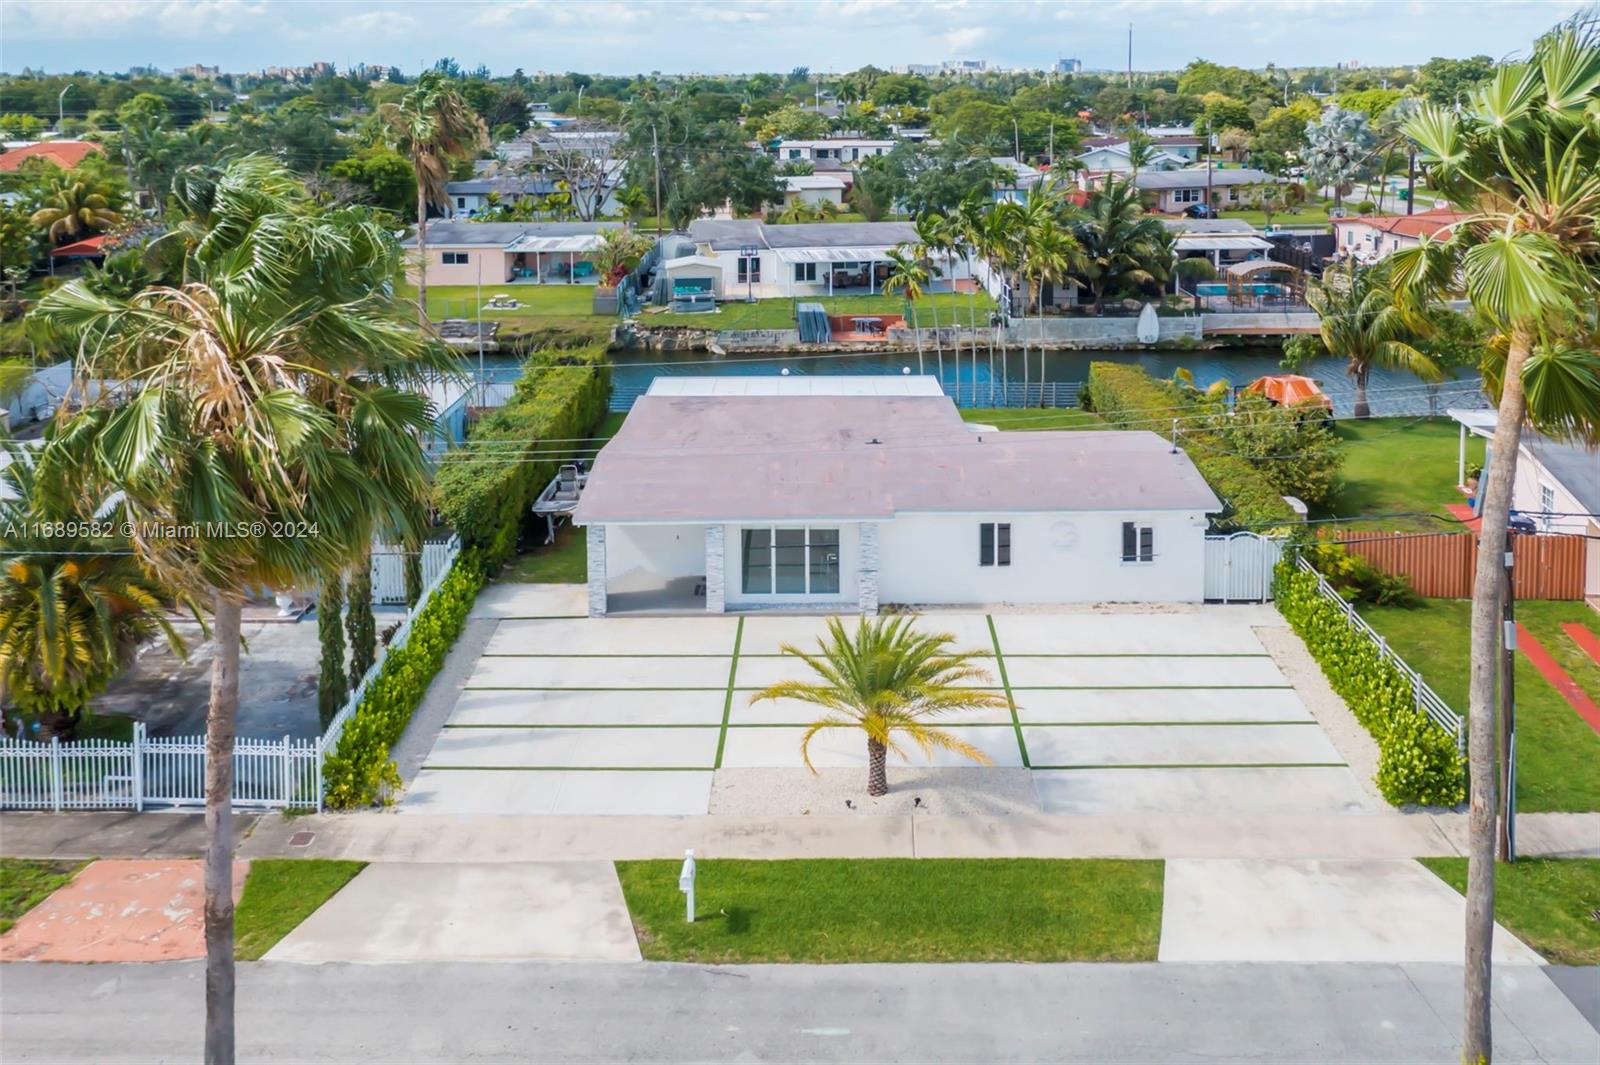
column 789, row 561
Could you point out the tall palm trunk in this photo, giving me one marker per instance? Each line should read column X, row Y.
column 422, row 252
column 1481, row 746
column 1361, row 374
column 938, row 342
column 222, row 718
column 915, row 332
column 1041, row 343
column 877, row 768
column 972, row 325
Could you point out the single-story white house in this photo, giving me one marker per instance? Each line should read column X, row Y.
column 466, row 199
column 1370, row 238
column 1175, row 190
column 850, row 493
column 759, row 259
column 507, row 253
column 1015, row 179
column 813, row 188
column 1557, row 485
column 846, row 150
column 1117, row 159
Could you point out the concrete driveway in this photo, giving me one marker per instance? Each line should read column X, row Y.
column 1114, row 713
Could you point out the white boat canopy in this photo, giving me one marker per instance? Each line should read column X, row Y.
column 1216, row 242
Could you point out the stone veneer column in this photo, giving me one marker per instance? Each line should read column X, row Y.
column 867, row 566
column 716, row 556
column 597, row 570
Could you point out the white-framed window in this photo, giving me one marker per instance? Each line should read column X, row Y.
column 455, row 258
column 461, row 203
column 1138, row 542
column 749, row 268
column 994, row 543
column 796, row 561
column 1547, row 504
column 805, row 271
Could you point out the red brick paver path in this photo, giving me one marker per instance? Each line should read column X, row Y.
column 1552, row 672
column 119, row 911
column 1584, row 638
column 1463, row 513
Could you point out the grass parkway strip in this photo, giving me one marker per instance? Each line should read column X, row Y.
column 727, row 702
column 1000, row 663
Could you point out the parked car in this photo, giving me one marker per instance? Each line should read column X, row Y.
column 1199, row 210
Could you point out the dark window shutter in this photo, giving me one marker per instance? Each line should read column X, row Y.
column 986, row 544
column 1129, row 541
column 1146, row 544
column 1003, row 536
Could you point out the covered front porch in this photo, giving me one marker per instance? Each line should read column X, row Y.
column 851, row 271
column 565, row 260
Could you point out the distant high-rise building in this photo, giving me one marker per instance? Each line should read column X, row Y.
column 198, row 70
column 1069, row 66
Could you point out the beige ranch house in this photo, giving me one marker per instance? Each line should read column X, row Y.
column 850, row 493
column 510, row 253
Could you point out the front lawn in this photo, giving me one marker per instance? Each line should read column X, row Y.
column 537, row 301
column 1033, row 418
column 779, row 313
column 1400, row 465
column 898, row 910
column 26, row 882
column 1558, row 754
column 278, row 894
column 564, row 562
column 1548, row 903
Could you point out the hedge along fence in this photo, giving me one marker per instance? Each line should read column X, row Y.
column 1419, row 762
column 561, row 396
column 359, row 771
column 1129, row 398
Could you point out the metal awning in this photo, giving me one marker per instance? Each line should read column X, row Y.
column 580, row 242
column 832, row 255
column 1215, row 242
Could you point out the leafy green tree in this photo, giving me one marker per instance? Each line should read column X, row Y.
column 333, row 685
column 386, row 176
column 1522, row 159
column 1283, row 130
column 1445, row 80
column 1370, row 102
column 19, row 238
column 888, row 681
column 22, row 127
column 1201, row 77
column 1224, row 113
column 1291, row 446
column 279, row 385
column 791, row 123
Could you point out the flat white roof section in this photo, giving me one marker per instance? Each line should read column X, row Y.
column 797, row 385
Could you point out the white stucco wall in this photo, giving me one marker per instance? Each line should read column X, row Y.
column 1055, row 558
column 1525, row 498
column 665, row 550
column 848, row 554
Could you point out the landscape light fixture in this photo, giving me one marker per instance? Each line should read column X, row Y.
column 686, row 884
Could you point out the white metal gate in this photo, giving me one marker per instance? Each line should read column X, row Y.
column 389, row 568
column 1239, row 567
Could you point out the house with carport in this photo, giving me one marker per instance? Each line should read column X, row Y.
column 852, row 493
column 510, row 253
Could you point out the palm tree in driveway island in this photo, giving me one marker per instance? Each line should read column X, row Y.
column 888, row 680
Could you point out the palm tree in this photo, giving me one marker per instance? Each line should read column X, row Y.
column 1050, row 253
column 72, row 608
column 968, row 223
column 1033, row 215
column 935, row 239
column 887, row 679
column 1366, row 324
column 75, row 208
column 999, row 245
column 1121, row 245
column 432, row 126
column 1523, row 159
column 277, row 392
column 907, row 275
column 1337, row 147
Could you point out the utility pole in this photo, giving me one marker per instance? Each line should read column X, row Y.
column 1211, row 148
column 1130, row 55
column 1506, row 839
column 1052, row 152
column 1016, row 140
column 1411, row 181
column 655, row 149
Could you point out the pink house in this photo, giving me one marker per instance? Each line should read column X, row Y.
column 508, row 253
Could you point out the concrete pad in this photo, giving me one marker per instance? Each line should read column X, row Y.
column 843, row 748
column 548, row 792
column 1123, row 706
column 759, row 672
column 1210, row 631
column 575, row 748
column 532, row 601
column 600, row 673
column 405, row 912
column 766, row 634
column 1113, row 745
column 614, row 636
column 1222, row 791
column 547, row 707
column 1316, row 911
column 119, row 910
column 1150, row 672
column 795, row 712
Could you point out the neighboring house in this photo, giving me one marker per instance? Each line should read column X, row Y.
column 500, row 253
column 1370, row 238
column 1222, row 240
column 813, row 188
column 843, row 150
column 1117, row 159
column 852, row 493
column 470, row 198
column 812, row 259
column 1176, row 190
column 1557, row 485
column 1014, row 180
column 65, row 154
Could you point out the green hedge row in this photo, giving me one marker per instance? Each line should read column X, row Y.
column 360, row 771
column 1129, row 398
column 561, row 396
column 1418, row 762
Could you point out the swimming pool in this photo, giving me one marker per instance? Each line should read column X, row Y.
column 1254, row 288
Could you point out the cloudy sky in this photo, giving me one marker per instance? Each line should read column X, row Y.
column 719, row 36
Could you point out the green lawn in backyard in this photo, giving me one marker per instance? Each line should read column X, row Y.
column 1028, row 418
column 1548, row 903
column 538, row 301
column 1400, row 465
column 1310, row 216
column 26, row 882
column 280, row 893
column 1558, row 754
column 564, row 562
column 779, row 313
column 898, row 910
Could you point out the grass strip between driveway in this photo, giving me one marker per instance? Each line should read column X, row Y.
column 1548, row 903
column 279, row 893
column 727, row 702
column 26, row 882
column 1005, row 681
column 898, row 910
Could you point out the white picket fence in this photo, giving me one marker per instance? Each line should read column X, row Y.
column 1239, row 567
column 389, row 569
column 169, row 772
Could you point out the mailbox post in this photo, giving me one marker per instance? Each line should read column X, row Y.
column 686, row 884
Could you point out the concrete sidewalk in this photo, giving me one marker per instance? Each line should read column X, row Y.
column 383, row 836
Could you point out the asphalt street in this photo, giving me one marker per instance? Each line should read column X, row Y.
column 602, row 1012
